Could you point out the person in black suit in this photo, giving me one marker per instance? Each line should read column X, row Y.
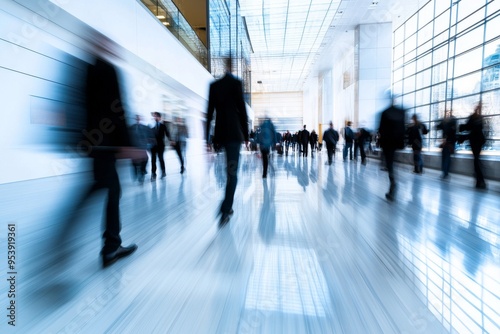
column 231, row 129
column 106, row 138
column 330, row 137
column 160, row 132
column 304, row 140
column 392, row 137
column 476, row 139
column 448, row 125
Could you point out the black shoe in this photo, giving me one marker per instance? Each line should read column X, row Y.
column 481, row 185
column 182, row 169
column 153, row 177
column 110, row 258
column 163, row 175
column 224, row 219
column 389, row 196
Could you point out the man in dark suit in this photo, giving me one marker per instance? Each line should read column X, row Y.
column 477, row 140
column 106, row 139
column 392, row 137
column 330, row 137
column 231, row 129
column 160, row 132
column 304, row 140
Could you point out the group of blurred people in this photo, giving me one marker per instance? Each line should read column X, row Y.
column 109, row 139
column 394, row 136
column 153, row 139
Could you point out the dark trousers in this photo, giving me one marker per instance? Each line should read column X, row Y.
column 265, row 159
column 347, row 147
column 105, row 178
column 476, row 151
column 389, row 163
column 304, row 149
column 232, row 159
column 139, row 169
column 359, row 145
column 446, row 159
column 418, row 163
column 330, row 151
column 157, row 151
column 178, row 150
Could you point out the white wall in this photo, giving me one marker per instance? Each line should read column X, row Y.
column 375, row 64
column 44, row 50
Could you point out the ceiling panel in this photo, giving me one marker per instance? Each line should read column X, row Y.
column 288, row 36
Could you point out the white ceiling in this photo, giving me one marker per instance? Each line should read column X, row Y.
column 292, row 39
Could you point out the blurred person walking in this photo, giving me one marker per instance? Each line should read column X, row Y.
column 313, row 140
column 448, row 125
column 476, row 139
column 160, row 132
column 330, row 137
column 178, row 135
column 267, row 139
column 392, row 137
column 361, row 136
column 106, row 140
column 304, row 141
column 415, row 133
column 231, row 129
column 348, row 136
column 141, row 138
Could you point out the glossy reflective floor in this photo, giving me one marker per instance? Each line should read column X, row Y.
column 311, row 249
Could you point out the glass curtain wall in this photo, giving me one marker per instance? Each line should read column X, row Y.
column 228, row 36
column 447, row 57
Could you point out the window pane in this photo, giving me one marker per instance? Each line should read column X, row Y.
column 410, row 69
column 411, row 26
column 470, row 40
column 424, row 62
column 469, row 62
column 426, row 14
column 409, row 85
column 399, row 35
column 493, row 6
column 466, row 7
column 440, row 54
column 398, row 74
column 468, row 22
column 491, row 101
column 463, row 107
column 438, row 92
column 423, row 113
column 397, row 88
column 442, row 22
column 439, row 72
column 425, row 35
column 409, row 100
column 441, row 5
column 493, row 28
column 422, row 96
column 468, row 84
column 398, row 51
column 423, row 79
column 411, row 44
column 491, row 63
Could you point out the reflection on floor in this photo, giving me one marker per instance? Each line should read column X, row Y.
column 311, row 249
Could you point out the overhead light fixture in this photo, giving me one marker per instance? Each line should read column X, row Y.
column 165, row 23
column 259, row 82
column 160, row 16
